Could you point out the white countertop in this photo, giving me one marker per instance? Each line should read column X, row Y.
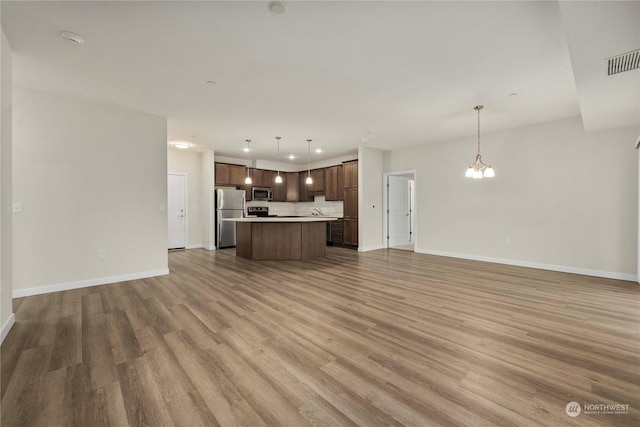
column 318, row 218
column 293, row 213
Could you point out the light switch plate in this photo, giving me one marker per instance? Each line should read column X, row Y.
column 17, row 207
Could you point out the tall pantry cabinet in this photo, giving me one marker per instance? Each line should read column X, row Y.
column 350, row 220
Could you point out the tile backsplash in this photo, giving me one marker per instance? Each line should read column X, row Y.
column 320, row 203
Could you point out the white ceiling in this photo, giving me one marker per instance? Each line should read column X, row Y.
column 396, row 73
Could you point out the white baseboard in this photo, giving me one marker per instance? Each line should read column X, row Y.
column 7, row 327
column 19, row 293
column 540, row 266
column 369, row 248
column 209, row 248
column 196, row 246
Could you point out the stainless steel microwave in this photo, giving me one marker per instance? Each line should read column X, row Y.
column 261, row 193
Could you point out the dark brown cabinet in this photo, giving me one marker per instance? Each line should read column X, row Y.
column 223, row 173
column 333, row 187
column 332, row 182
column 350, row 207
column 350, row 195
column 350, row 174
column 262, row 178
column 227, row 174
column 303, row 191
column 292, row 182
column 336, row 232
column 238, row 174
column 256, row 177
column 280, row 190
column 268, row 179
column 317, row 187
column 350, row 232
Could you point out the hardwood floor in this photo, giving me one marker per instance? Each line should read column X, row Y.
column 378, row 338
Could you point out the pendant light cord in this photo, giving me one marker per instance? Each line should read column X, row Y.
column 308, row 157
column 278, row 155
column 478, row 108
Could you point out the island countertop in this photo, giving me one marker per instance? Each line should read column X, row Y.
column 318, row 218
column 281, row 238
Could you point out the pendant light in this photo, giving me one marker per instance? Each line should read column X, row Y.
column 309, row 181
column 479, row 170
column 278, row 177
column 247, row 180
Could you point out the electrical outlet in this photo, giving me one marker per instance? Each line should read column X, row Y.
column 507, row 241
column 17, row 207
column 102, row 254
column 163, row 208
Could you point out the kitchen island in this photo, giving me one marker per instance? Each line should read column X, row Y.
column 281, row 238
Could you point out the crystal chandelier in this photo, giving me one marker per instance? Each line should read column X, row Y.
column 479, row 170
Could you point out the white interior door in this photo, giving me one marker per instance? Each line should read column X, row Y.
column 177, row 211
column 399, row 218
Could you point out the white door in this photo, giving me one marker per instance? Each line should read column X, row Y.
column 177, row 211
column 399, row 218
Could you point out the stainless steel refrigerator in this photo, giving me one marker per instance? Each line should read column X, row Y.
column 229, row 204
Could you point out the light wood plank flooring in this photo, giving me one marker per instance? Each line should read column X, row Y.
column 378, row 338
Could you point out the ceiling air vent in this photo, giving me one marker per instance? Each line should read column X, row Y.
column 625, row 62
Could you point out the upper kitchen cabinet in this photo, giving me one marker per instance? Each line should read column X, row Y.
column 317, row 188
column 303, row 192
column 227, row 174
column 238, row 174
column 292, row 186
column 280, row 190
column 333, row 188
column 350, row 174
column 257, row 178
column 268, row 179
column 223, row 174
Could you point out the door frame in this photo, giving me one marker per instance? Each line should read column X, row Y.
column 385, row 206
column 186, row 208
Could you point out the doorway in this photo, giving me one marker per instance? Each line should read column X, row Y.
column 400, row 212
column 177, row 211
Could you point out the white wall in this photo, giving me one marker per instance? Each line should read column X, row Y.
column 370, row 194
column 189, row 163
column 6, row 272
column 89, row 177
column 566, row 199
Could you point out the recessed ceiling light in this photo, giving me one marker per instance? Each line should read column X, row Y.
column 277, row 8
column 513, row 94
column 211, row 82
column 72, row 37
column 291, row 157
column 181, row 145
